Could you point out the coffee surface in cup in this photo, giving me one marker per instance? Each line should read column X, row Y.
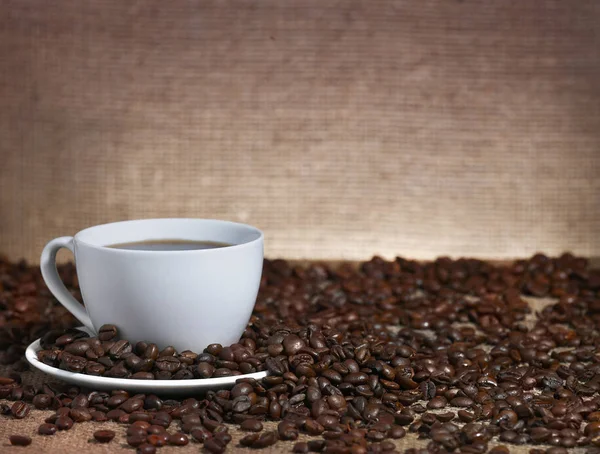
column 169, row 245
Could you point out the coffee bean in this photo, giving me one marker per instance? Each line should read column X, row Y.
column 131, row 405
column 133, row 430
column 98, row 416
column 466, row 416
column 162, row 418
column 146, row 448
column 312, row 427
column 168, row 364
column 72, row 363
column 287, row 431
column 119, row 349
column 19, row 440
column 428, row 389
column 200, row 434
column 396, row 432
column 80, row 415
column 437, row 403
column 356, row 378
column 461, row 402
column 167, row 351
column 316, row 445
column 214, row 445
column 47, row 429
column 136, row 439
column 178, row 439
column 5, row 381
column 19, row 410
column 158, row 440
column 265, row 440
column 115, row 414
column 251, row 425
column 64, row 423
column 104, row 436
column 77, row 348
column 205, row 370
column 42, row 401
column 292, row 344
column 107, row 332
column 274, row 366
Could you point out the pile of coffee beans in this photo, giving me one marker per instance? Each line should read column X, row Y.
column 358, row 356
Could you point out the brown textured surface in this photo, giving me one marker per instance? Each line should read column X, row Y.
column 342, row 129
column 78, row 439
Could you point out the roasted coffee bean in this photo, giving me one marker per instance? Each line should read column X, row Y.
column 265, row 440
column 98, row 416
column 215, row 445
column 168, row 364
column 79, row 414
column 115, row 414
column 162, row 418
column 47, row 429
column 42, row 401
column 20, row 440
column 205, row 370
column 428, row 389
column 137, row 428
column 251, row 425
column 77, row 348
column 137, row 439
column 316, row 445
column 178, row 439
column 461, row 402
column 200, row 434
column 312, row 427
column 292, row 344
column 80, row 401
column 119, row 349
column 466, row 416
column 396, row 432
column 104, row 436
column 107, row 332
column 158, row 440
column 152, row 402
column 131, row 405
column 287, row 430
column 4, row 381
column 19, row 410
column 64, row 423
column 145, row 448
column 437, row 403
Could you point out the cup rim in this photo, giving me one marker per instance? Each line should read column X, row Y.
column 260, row 236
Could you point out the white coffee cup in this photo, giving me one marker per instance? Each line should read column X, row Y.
column 188, row 299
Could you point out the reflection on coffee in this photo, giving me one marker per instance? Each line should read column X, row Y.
column 169, row 245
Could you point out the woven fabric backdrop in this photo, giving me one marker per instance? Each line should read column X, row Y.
column 341, row 128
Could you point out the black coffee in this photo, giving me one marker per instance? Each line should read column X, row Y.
column 169, row 245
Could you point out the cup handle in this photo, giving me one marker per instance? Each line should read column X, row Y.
column 55, row 284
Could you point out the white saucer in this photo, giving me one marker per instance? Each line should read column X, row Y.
column 163, row 387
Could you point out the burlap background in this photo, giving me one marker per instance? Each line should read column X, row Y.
column 342, row 129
